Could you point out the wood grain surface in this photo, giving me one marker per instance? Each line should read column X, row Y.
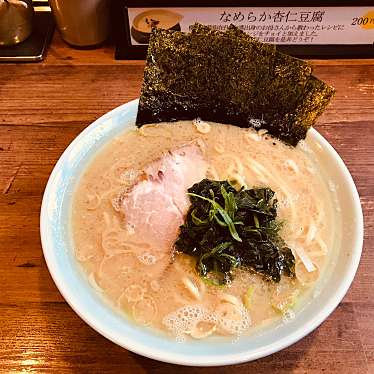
column 42, row 108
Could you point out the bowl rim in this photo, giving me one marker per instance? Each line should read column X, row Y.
column 135, row 346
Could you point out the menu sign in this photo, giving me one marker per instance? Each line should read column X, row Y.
column 278, row 25
column 305, row 31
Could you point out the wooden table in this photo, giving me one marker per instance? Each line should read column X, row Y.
column 43, row 107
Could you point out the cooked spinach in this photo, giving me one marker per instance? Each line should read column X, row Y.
column 226, row 229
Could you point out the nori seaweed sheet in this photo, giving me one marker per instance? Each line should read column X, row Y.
column 229, row 78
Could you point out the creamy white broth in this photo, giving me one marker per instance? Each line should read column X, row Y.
column 163, row 299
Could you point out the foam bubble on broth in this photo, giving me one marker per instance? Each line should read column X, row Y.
column 232, row 319
column 186, row 319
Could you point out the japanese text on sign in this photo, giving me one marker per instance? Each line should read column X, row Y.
column 279, row 16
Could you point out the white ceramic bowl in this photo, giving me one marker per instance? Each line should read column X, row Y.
column 73, row 285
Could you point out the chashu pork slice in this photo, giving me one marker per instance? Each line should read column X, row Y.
column 156, row 206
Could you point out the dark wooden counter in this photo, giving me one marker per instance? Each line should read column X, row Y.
column 43, row 107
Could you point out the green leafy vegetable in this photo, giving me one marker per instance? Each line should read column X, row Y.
column 283, row 302
column 225, row 215
column 247, row 298
column 226, row 229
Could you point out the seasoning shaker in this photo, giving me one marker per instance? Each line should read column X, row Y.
column 82, row 23
column 16, row 21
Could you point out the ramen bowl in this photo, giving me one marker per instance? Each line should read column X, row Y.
column 88, row 304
